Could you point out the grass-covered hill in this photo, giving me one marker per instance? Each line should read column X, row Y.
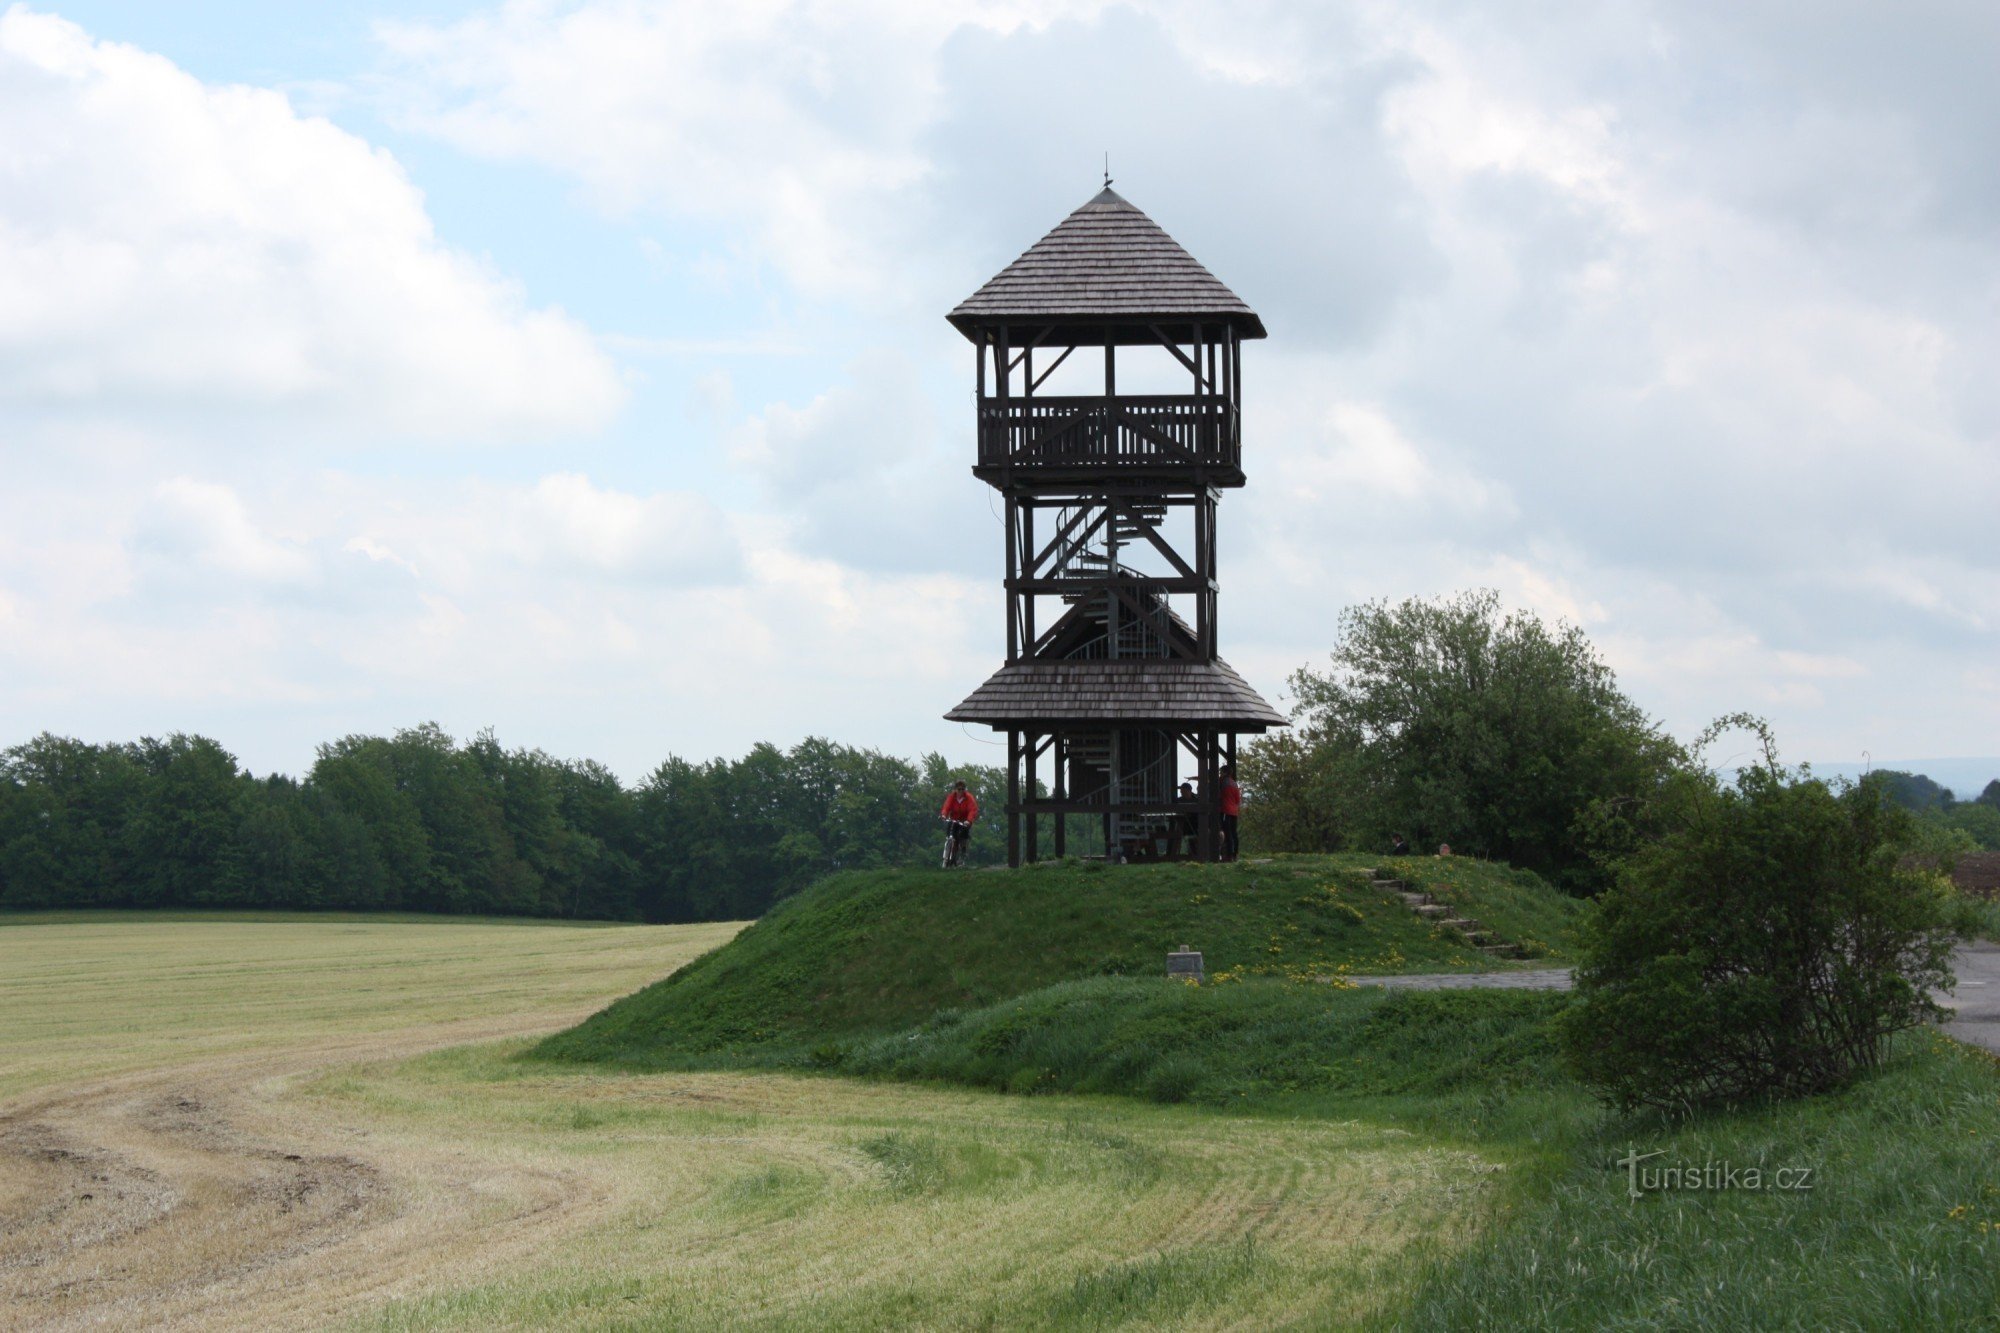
column 869, row 952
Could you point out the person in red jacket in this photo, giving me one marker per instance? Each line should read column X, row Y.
column 960, row 813
column 1232, row 809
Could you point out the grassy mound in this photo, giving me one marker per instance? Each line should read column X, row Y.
column 1218, row 1044
column 871, row 952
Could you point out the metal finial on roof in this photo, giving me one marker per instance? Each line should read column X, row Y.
column 1107, row 169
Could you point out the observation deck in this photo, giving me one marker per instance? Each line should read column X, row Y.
column 1193, row 438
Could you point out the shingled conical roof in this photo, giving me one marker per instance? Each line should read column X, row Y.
column 1126, row 692
column 1105, row 263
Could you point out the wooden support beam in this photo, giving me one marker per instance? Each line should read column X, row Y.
column 1193, row 366
column 1067, row 535
column 1025, row 351
column 1161, row 545
column 1013, row 604
column 1060, row 791
column 1014, row 798
column 1050, row 587
column 1211, row 798
column 1036, row 382
column 1027, row 513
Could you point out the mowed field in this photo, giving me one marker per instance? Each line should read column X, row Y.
column 322, row 1122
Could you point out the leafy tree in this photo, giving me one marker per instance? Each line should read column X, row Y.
column 1451, row 721
column 1991, row 795
column 1767, row 945
column 63, row 845
column 1306, row 792
column 270, row 856
column 1912, row 791
column 1966, row 827
column 182, row 822
column 361, row 785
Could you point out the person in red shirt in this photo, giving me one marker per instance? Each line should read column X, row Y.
column 960, row 812
column 1232, row 808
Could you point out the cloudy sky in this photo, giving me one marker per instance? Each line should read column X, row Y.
column 580, row 369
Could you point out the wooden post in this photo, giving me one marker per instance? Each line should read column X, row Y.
column 1013, row 798
column 1059, row 748
column 1013, row 594
column 1211, row 801
column 1027, row 554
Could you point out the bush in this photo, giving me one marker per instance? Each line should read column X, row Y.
column 1766, row 946
column 1452, row 721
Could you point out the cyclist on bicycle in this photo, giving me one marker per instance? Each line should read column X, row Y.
column 960, row 812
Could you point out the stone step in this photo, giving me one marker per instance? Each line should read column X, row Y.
column 1415, row 899
column 1433, row 910
column 1501, row 950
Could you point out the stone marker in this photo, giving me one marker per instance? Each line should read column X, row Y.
column 1185, row 965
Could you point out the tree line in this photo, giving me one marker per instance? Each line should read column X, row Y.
column 420, row 822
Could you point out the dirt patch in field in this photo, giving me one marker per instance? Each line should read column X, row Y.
column 203, row 1199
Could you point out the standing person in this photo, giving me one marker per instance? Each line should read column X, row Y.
column 959, row 812
column 1232, row 809
column 1399, row 847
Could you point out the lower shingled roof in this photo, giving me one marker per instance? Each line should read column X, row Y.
column 1134, row 690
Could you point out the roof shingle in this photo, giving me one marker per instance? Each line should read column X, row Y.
column 1107, row 259
column 1130, row 691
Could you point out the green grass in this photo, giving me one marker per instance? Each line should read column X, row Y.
column 1340, row 1157
column 879, row 951
column 182, row 915
column 116, row 991
column 1900, row 1228
column 1000, row 988
column 1515, row 904
column 1229, row 1045
column 524, row 1194
column 776, row 1201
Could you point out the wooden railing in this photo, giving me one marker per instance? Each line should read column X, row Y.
column 1122, row 432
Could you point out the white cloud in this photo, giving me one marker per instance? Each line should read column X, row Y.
column 168, row 245
column 854, row 432
column 1675, row 321
column 358, row 603
column 204, row 525
column 792, row 122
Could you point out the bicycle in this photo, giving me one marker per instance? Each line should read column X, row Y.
column 957, row 835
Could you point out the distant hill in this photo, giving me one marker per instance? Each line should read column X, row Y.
column 1965, row 778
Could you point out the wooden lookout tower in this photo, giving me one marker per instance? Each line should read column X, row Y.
column 1112, row 693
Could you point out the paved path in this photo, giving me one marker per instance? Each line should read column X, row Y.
column 1977, row 999
column 1538, row 978
column 1975, row 1004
